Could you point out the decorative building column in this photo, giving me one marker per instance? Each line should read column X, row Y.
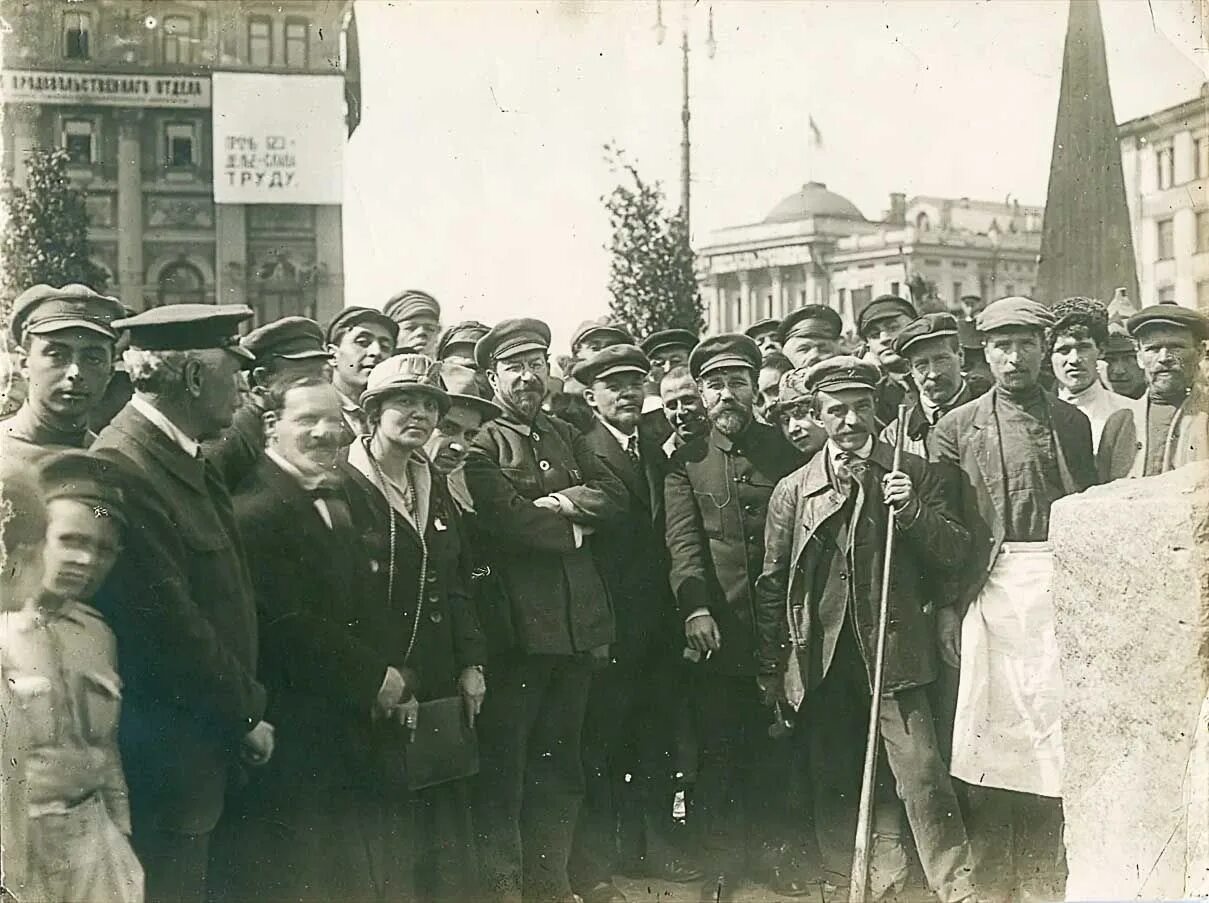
column 777, row 308
column 329, row 293
column 231, row 254
column 130, row 209
column 25, row 137
column 747, row 314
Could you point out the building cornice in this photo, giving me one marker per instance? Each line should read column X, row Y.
column 1192, row 113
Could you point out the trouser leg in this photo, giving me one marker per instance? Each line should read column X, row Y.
column 926, row 790
column 1040, row 853
column 721, row 778
column 554, row 778
column 174, row 865
column 991, row 826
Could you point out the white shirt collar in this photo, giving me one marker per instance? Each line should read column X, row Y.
column 932, row 408
column 1091, row 393
column 623, row 439
column 309, row 483
column 188, row 444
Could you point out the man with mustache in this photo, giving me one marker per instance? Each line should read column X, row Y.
column 1167, row 427
column 358, row 339
column 1011, row 454
column 716, row 494
column 1076, row 342
column 538, row 491
column 418, row 315
column 65, row 340
column 810, row 334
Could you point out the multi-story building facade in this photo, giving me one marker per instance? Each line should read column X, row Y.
column 1165, row 158
column 131, row 90
column 816, row 247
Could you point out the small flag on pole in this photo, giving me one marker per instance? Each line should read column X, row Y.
column 816, row 136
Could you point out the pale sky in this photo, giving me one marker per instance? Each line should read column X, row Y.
column 477, row 171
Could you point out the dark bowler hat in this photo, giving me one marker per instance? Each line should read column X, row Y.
column 1169, row 315
column 45, row 308
column 511, row 337
column 844, row 372
column 589, row 328
column 813, row 320
column 467, row 386
column 614, row 359
column 726, row 350
column 669, row 338
column 1015, row 312
column 929, row 326
column 188, row 327
column 761, row 327
column 82, row 477
column 465, row 333
column 410, row 303
column 880, row 308
column 353, row 316
column 292, row 338
column 406, row 373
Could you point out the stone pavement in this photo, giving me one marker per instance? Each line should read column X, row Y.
column 642, row 890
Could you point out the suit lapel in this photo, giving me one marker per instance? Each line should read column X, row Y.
column 606, row 443
column 190, row 471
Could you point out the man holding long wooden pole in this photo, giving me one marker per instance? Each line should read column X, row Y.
column 825, row 545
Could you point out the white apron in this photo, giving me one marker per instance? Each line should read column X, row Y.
column 1008, row 728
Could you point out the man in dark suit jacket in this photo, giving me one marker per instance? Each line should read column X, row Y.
column 538, row 492
column 628, row 703
column 180, row 597
column 716, row 491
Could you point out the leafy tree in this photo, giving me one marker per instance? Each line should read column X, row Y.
column 651, row 276
column 45, row 236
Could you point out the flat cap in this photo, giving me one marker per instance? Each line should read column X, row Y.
column 1169, row 315
column 814, row 321
column 292, row 338
column 465, row 333
column 469, row 387
column 880, row 308
column 353, row 316
column 411, row 303
column 929, row 326
column 669, row 338
column 588, row 328
column 406, row 373
column 188, row 327
column 611, row 360
column 727, row 350
column 510, row 337
column 82, row 477
column 45, row 308
column 762, row 327
column 1119, row 341
column 843, row 372
column 1016, row 311
column 793, row 386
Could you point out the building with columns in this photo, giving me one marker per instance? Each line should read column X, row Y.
column 816, row 247
column 131, row 91
column 1165, row 159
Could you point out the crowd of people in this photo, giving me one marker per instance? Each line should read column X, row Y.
column 383, row 611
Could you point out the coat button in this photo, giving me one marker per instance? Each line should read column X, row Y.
column 433, row 598
column 373, row 566
column 535, row 437
column 436, row 617
column 430, row 579
column 543, row 465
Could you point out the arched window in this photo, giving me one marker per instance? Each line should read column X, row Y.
column 922, row 223
column 181, row 283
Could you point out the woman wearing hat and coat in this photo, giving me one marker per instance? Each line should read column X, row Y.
column 407, row 519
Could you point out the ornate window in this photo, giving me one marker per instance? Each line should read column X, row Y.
column 79, row 141
column 77, row 27
column 181, row 283
column 922, row 223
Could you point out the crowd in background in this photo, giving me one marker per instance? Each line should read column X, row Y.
column 381, row 610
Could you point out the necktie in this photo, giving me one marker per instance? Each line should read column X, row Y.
column 337, row 507
column 631, row 449
column 850, row 467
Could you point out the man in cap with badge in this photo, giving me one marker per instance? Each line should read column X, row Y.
column 358, row 339
column 716, row 494
column 1012, row 453
column 65, row 338
column 1167, row 427
column 456, row 344
column 824, row 542
column 419, row 317
column 810, row 334
column 538, row 492
column 630, row 701
column 878, row 324
column 180, row 597
column 766, row 334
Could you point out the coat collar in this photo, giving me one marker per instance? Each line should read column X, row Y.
column 131, row 422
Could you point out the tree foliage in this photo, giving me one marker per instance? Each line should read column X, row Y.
column 45, row 236
column 651, row 276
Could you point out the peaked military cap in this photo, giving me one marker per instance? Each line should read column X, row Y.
column 1016, row 311
column 353, row 316
column 45, row 308
column 760, row 327
column 929, row 326
column 511, row 337
column 188, row 327
column 1169, row 315
column 406, row 373
column 843, row 372
column 411, row 303
column 465, row 333
column 813, row 320
column 588, row 328
column 82, row 477
column 880, row 308
column 469, row 387
column 669, row 338
column 727, row 350
column 292, row 338
column 611, row 360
